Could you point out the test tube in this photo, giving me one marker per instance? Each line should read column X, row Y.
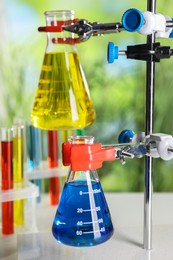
column 54, row 182
column 81, row 132
column 7, row 179
column 66, row 134
column 35, row 153
column 18, row 162
column 23, row 122
column 31, row 148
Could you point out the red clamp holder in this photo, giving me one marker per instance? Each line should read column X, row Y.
column 83, row 157
column 57, row 26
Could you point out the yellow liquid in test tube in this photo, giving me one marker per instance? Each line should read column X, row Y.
column 18, row 178
column 62, row 99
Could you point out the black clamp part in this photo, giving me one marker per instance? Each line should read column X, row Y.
column 146, row 52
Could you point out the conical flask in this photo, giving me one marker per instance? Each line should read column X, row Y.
column 62, row 99
column 82, row 218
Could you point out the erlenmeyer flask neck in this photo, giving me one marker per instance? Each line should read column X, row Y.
column 82, row 175
column 55, row 16
column 81, row 139
column 59, row 39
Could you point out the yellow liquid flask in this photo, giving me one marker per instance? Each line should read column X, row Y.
column 62, row 98
column 82, row 218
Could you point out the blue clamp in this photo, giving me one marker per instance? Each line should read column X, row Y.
column 112, row 52
column 125, row 136
column 132, row 20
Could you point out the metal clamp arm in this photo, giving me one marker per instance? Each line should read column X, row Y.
column 85, row 29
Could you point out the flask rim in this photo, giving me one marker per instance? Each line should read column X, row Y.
column 81, row 139
column 58, row 12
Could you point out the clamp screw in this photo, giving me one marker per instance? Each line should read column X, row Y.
column 112, row 53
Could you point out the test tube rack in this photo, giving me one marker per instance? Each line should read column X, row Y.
column 28, row 190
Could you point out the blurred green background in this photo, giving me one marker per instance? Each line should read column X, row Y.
column 117, row 90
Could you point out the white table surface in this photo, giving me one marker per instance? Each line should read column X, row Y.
column 126, row 244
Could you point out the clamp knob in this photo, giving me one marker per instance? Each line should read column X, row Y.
column 162, row 146
column 163, row 149
column 132, row 20
column 125, row 136
column 112, row 52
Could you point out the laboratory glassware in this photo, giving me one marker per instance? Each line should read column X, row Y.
column 35, row 154
column 54, row 182
column 18, row 165
column 7, row 179
column 62, row 100
column 83, row 217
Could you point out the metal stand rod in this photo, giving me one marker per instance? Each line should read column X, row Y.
column 150, row 76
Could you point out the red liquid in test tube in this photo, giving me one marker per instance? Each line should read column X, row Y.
column 54, row 182
column 7, row 179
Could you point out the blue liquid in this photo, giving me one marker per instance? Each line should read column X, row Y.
column 34, row 134
column 82, row 217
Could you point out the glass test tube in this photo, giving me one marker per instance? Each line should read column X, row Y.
column 66, row 134
column 81, row 132
column 54, row 182
column 7, row 179
column 23, row 122
column 35, row 153
column 18, row 163
column 31, row 153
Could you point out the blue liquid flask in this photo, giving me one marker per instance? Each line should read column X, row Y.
column 82, row 218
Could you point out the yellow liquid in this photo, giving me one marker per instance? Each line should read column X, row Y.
column 18, row 178
column 62, row 99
